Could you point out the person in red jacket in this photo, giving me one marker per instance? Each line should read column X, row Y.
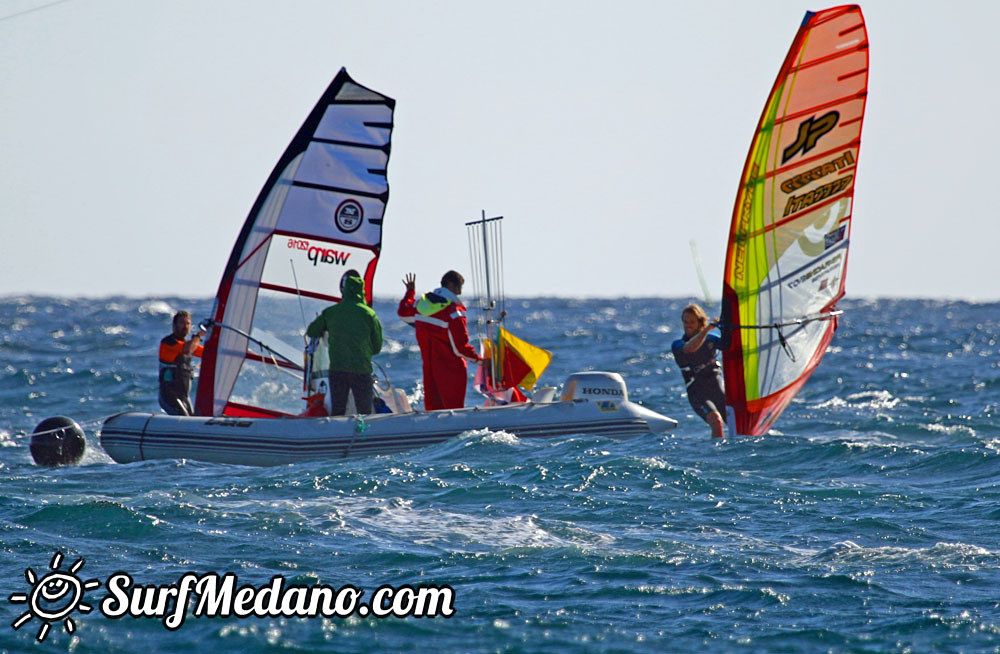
column 443, row 337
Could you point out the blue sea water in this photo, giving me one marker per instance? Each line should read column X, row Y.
column 867, row 521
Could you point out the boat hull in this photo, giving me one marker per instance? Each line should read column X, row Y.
column 129, row 437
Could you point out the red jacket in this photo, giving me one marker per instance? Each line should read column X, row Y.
column 439, row 318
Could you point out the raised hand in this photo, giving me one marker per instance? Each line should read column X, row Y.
column 410, row 281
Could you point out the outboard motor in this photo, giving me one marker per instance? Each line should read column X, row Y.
column 596, row 387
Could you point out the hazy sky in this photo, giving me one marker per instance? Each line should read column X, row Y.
column 136, row 134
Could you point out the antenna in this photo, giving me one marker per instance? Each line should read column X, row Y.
column 486, row 259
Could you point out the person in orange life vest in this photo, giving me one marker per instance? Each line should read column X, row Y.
column 443, row 337
column 177, row 367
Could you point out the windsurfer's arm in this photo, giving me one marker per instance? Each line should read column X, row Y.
column 696, row 341
column 193, row 345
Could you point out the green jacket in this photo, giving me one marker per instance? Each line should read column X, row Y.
column 354, row 331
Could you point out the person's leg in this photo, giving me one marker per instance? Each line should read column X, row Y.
column 172, row 405
column 706, row 409
column 436, row 361
column 452, row 379
column 714, row 420
column 165, row 405
column 432, row 399
column 364, row 393
column 717, row 402
column 339, row 386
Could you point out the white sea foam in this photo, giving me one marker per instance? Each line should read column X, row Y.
column 655, row 462
column 949, row 429
column 628, row 327
column 944, row 555
column 7, row 439
column 877, row 400
column 94, row 454
column 880, row 399
column 544, row 315
column 416, row 398
column 454, row 531
column 156, row 308
column 392, row 346
column 487, row 436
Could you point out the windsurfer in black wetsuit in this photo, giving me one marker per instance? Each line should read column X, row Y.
column 177, row 366
column 695, row 354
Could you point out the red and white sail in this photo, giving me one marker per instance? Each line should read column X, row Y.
column 319, row 214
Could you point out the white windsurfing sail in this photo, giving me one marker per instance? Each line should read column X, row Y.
column 787, row 256
column 319, row 215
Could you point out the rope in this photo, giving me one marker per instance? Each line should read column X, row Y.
column 81, row 425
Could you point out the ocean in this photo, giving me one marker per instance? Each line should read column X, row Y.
column 866, row 521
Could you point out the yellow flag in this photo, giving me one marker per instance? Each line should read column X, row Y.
column 521, row 362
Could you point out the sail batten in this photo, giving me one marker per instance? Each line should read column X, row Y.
column 790, row 232
column 770, row 228
column 379, row 195
column 829, row 58
column 319, row 214
column 837, row 102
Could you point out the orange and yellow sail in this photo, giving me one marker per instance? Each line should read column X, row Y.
column 790, row 232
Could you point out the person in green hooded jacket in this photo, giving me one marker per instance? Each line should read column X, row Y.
column 355, row 335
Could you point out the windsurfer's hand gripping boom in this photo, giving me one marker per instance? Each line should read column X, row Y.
column 696, row 341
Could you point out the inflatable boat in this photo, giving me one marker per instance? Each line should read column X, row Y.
column 593, row 404
column 319, row 215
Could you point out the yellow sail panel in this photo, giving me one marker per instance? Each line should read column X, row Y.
column 787, row 254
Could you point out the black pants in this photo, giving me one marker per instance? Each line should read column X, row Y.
column 174, row 404
column 360, row 385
